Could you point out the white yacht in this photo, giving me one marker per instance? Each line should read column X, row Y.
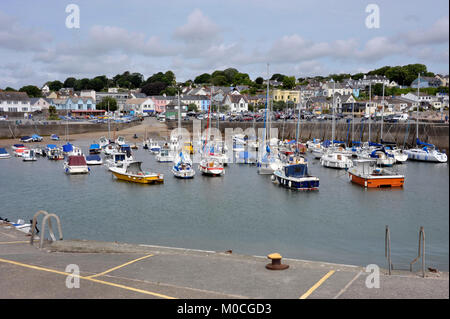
column 334, row 159
column 426, row 152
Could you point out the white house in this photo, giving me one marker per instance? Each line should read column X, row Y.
column 329, row 88
column 88, row 93
column 39, row 104
column 45, row 89
column 14, row 102
column 140, row 106
column 236, row 102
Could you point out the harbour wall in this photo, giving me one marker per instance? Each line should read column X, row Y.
column 404, row 134
column 8, row 129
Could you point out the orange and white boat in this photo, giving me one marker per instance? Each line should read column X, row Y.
column 367, row 174
column 211, row 166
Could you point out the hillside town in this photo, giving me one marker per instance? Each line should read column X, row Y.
column 349, row 95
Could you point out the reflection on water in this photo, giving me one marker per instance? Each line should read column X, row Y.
column 242, row 211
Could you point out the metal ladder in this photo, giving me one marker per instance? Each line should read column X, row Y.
column 45, row 220
column 421, row 252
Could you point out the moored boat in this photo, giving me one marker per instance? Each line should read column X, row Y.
column 182, row 167
column 333, row 159
column 94, row 159
column 132, row 172
column 54, row 137
column 368, row 174
column 426, row 152
column 296, row 177
column 76, row 164
column 211, row 166
column 28, row 155
column 94, row 149
column 4, row 154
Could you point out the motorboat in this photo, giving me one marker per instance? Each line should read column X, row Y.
column 22, row 226
column 54, row 137
column 154, row 147
column 426, row 152
column 36, row 138
column 165, row 155
column 103, row 142
column 110, row 149
column 95, row 149
column 295, row 176
column 18, row 152
column 211, row 166
column 76, row 164
column 94, row 159
column 4, row 154
column 368, row 174
column 28, row 155
column 120, row 140
column 71, row 150
column 26, row 139
column 117, row 159
column 334, row 159
column 132, row 172
column 182, row 167
column 16, row 146
column 54, row 153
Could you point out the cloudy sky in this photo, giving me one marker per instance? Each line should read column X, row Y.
column 299, row 38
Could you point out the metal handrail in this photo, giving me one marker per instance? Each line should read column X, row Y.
column 46, row 220
column 387, row 247
column 421, row 252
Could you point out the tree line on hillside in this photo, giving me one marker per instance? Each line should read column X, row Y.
column 165, row 83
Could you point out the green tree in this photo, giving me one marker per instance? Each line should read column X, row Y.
column 154, row 88
column 192, row 107
column 95, row 84
column 31, row 90
column 259, row 80
column 219, row 80
column 10, row 89
column 55, row 85
column 203, row 78
column 277, row 77
column 52, row 114
column 289, row 82
column 70, row 82
column 107, row 102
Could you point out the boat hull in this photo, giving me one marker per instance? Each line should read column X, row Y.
column 310, row 183
column 149, row 179
column 186, row 174
column 76, row 170
column 377, row 182
column 212, row 171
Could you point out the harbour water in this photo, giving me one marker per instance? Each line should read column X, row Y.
column 241, row 211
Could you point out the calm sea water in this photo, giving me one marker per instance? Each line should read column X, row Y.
column 242, row 210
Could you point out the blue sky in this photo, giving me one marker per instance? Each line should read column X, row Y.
column 299, row 38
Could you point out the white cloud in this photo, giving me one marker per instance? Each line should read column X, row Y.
column 199, row 28
column 438, row 33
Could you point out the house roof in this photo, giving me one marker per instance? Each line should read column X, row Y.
column 14, row 96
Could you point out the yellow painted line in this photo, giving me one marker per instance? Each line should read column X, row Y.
column 120, row 266
column 13, row 242
column 321, row 281
column 86, row 278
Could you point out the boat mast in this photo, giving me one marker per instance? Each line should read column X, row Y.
column 332, row 123
column 298, row 123
column 109, row 124
column 382, row 114
column 417, row 109
column 353, row 120
column 370, row 104
column 265, row 111
column 179, row 117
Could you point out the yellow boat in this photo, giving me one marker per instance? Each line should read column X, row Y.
column 132, row 172
column 188, row 147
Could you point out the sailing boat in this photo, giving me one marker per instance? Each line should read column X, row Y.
column 424, row 151
column 270, row 161
column 182, row 167
column 335, row 157
column 210, row 165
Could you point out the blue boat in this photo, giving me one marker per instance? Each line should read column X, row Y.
column 4, row 153
column 36, row 138
column 94, row 149
column 94, row 160
column 54, row 137
column 296, row 177
column 26, row 139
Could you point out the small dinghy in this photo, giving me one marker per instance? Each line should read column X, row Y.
column 4, row 153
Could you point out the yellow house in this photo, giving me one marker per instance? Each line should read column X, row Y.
column 286, row 95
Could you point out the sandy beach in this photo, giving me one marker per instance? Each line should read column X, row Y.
column 150, row 126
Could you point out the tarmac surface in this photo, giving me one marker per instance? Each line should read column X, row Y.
column 125, row 271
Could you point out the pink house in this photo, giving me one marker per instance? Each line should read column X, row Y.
column 161, row 102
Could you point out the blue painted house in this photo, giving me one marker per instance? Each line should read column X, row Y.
column 74, row 103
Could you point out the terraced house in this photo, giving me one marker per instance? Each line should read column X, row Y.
column 14, row 102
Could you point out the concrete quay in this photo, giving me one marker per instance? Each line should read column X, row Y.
column 128, row 271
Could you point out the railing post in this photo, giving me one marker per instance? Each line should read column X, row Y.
column 421, row 252
column 387, row 247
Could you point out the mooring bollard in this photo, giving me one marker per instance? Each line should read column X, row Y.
column 276, row 262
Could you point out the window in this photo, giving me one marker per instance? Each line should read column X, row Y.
column 12, row 109
column 24, row 109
